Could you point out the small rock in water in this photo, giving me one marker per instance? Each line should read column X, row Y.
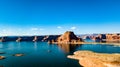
column 2, row 57
column 18, row 55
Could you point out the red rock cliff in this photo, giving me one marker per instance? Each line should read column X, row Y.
column 68, row 36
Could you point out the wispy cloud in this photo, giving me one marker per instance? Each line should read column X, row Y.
column 33, row 29
column 73, row 28
column 59, row 27
column 36, row 29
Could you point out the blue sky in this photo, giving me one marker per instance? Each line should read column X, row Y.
column 41, row 17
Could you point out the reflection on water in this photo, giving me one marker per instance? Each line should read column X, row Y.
column 101, row 48
column 1, row 45
column 37, row 54
column 35, row 45
column 68, row 47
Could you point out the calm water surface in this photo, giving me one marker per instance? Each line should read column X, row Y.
column 41, row 54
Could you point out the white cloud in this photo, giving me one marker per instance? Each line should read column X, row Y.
column 33, row 29
column 59, row 27
column 7, row 32
column 73, row 28
column 36, row 29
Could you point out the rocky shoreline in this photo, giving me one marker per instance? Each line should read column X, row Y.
column 67, row 38
column 92, row 59
column 45, row 38
column 70, row 38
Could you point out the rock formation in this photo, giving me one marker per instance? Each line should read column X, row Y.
column 91, row 59
column 45, row 38
column 107, row 37
column 50, row 38
column 19, row 39
column 68, row 37
column 2, row 57
column 112, row 37
column 29, row 38
column 18, row 55
column 35, row 38
column 2, row 39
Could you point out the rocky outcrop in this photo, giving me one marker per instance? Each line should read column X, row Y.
column 18, row 55
column 2, row 57
column 2, row 39
column 19, row 39
column 107, row 38
column 35, row 39
column 112, row 37
column 29, row 38
column 68, row 37
column 91, row 59
column 51, row 38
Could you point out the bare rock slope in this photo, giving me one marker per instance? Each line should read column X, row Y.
column 91, row 59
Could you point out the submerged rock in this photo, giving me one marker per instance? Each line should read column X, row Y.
column 2, row 57
column 18, row 54
column 2, row 52
column 92, row 59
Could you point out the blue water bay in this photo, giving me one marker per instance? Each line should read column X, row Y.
column 42, row 54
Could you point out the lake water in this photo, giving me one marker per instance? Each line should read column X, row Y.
column 41, row 54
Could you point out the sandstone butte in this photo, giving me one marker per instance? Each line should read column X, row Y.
column 92, row 59
column 68, row 37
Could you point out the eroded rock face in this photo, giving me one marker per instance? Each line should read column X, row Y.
column 108, row 37
column 35, row 38
column 112, row 37
column 91, row 59
column 68, row 36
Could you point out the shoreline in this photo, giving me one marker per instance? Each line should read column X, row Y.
column 115, row 44
column 93, row 59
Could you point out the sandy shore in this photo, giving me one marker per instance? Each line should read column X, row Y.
column 92, row 59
